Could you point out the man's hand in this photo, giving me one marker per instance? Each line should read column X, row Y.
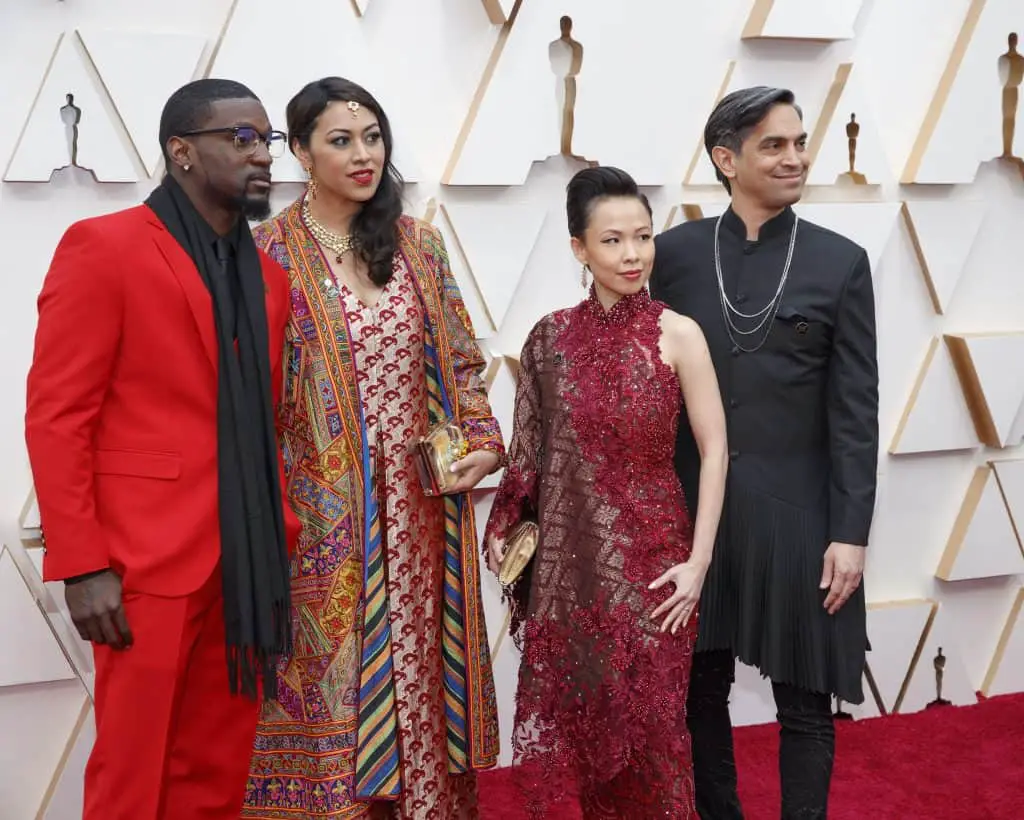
column 96, row 610
column 471, row 470
column 844, row 567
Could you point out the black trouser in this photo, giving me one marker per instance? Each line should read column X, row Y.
column 807, row 743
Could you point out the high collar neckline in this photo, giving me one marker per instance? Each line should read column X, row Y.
column 778, row 225
column 626, row 308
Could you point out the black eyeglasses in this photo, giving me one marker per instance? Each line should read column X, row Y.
column 247, row 139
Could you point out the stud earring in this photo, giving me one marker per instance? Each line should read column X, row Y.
column 185, row 167
column 311, row 186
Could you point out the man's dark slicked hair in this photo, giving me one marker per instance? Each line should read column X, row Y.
column 190, row 107
column 737, row 115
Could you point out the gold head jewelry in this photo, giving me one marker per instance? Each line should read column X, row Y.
column 353, row 106
column 330, row 240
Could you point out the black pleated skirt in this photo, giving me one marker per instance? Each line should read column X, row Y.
column 762, row 601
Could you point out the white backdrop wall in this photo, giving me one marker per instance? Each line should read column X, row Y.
column 475, row 90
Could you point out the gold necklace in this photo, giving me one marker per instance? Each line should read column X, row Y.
column 331, row 240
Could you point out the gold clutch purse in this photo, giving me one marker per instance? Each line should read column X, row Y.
column 435, row 453
column 520, row 546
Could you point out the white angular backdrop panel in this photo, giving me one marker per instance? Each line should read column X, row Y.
column 478, row 92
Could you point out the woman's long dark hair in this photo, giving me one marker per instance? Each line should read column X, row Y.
column 374, row 226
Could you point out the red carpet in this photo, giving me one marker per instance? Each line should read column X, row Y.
column 962, row 763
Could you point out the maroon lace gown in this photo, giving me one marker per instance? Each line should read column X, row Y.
column 601, row 703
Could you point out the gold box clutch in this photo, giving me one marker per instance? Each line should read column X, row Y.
column 435, row 453
column 520, row 545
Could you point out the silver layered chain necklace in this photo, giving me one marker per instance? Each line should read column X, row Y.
column 765, row 315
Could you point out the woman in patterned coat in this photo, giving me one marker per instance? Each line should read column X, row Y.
column 386, row 707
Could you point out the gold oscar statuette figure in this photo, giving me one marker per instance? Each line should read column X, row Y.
column 852, row 177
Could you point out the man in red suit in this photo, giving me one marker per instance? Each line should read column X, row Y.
column 150, row 430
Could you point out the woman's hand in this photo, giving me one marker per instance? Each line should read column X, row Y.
column 471, row 470
column 688, row 578
column 495, row 552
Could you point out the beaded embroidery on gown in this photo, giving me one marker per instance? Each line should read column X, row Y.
column 601, row 702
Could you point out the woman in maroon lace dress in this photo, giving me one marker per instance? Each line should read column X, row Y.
column 603, row 611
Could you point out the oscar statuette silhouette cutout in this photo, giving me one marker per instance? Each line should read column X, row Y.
column 939, row 664
column 71, row 116
column 852, row 176
column 1011, row 76
column 566, row 56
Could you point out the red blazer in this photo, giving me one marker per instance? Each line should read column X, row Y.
column 121, row 420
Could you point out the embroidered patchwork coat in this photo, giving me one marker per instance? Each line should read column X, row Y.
column 389, row 694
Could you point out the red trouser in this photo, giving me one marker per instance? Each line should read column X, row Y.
column 172, row 743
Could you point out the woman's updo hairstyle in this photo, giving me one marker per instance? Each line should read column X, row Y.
column 592, row 185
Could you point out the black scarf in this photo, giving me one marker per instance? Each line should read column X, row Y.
column 254, row 559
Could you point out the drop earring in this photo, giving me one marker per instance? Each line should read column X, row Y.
column 583, row 276
column 311, row 186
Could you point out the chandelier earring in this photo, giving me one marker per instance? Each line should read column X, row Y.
column 583, row 275
column 311, row 186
